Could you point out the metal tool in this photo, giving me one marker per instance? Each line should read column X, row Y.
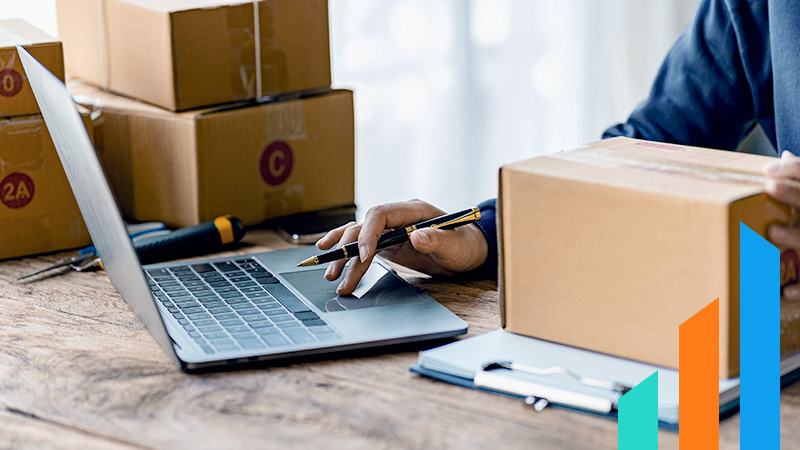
column 156, row 244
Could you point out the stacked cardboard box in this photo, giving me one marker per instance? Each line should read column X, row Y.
column 240, row 118
column 196, row 53
column 37, row 210
column 612, row 246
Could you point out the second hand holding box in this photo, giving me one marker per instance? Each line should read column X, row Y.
column 256, row 162
column 612, row 246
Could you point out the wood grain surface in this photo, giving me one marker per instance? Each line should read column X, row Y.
column 78, row 370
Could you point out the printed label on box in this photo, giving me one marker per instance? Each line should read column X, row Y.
column 16, row 190
column 10, row 82
column 276, row 163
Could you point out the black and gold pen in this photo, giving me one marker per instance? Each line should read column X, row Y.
column 399, row 236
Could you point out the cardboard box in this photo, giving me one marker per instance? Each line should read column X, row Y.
column 612, row 246
column 16, row 97
column 196, row 53
column 256, row 162
column 38, row 212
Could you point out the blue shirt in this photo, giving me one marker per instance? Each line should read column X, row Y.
column 735, row 66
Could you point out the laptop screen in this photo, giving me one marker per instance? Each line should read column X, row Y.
column 91, row 190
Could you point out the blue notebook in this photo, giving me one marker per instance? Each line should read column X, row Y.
column 459, row 363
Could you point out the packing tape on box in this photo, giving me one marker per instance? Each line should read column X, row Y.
column 257, row 37
column 270, row 62
column 684, row 168
column 19, row 150
column 286, row 121
column 103, row 45
column 689, row 169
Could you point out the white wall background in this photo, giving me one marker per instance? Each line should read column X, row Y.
column 449, row 90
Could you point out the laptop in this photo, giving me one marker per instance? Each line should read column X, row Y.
column 241, row 309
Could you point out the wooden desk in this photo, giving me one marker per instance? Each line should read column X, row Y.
column 78, row 370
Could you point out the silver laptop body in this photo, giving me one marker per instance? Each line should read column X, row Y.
column 274, row 309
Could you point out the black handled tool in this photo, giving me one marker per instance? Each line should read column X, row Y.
column 207, row 237
column 201, row 239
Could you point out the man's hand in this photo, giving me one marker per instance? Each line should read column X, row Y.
column 431, row 251
column 784, row 186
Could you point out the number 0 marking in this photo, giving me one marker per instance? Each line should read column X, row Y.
column 10, row 82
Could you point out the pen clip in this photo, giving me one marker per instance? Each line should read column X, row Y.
column 559, row 370
column 541, row 394
column 471, row 216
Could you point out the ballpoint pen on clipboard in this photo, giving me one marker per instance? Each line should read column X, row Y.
column 399, row 236
column 495, row 376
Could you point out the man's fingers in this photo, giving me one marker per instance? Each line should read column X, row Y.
column 784, row 190
column 784, row 236
column 459, row 250
column 348, row 235
column 355, row 270
column 334, row 236
column 391, row 215
column 791, row 292
column 786, row 167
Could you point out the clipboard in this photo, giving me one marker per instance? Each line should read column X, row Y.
column 459, row 362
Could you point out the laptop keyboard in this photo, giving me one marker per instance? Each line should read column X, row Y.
column 236, row 305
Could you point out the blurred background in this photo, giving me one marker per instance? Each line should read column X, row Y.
column 447, row 91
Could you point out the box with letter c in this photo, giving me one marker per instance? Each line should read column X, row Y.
column 255, row 161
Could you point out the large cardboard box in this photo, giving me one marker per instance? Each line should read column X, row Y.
column 257, row 162
column 38, row 212
column 612, row 246
column 16, row 97
column 196, row 53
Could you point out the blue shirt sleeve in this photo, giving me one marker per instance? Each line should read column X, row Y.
column 714, row 83
column 488, row 226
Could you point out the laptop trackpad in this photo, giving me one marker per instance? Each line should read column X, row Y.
column 378, row 287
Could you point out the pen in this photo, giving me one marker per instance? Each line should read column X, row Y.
column 399, row 236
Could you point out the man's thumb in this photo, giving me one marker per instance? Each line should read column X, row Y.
column 432, row 241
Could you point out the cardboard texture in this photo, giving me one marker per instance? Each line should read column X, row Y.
column 16, row 96
column 257, row 162
column 38, row 212
column 196, row 53
column 612, row 246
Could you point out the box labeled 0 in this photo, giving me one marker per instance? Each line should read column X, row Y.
column 16, row 96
